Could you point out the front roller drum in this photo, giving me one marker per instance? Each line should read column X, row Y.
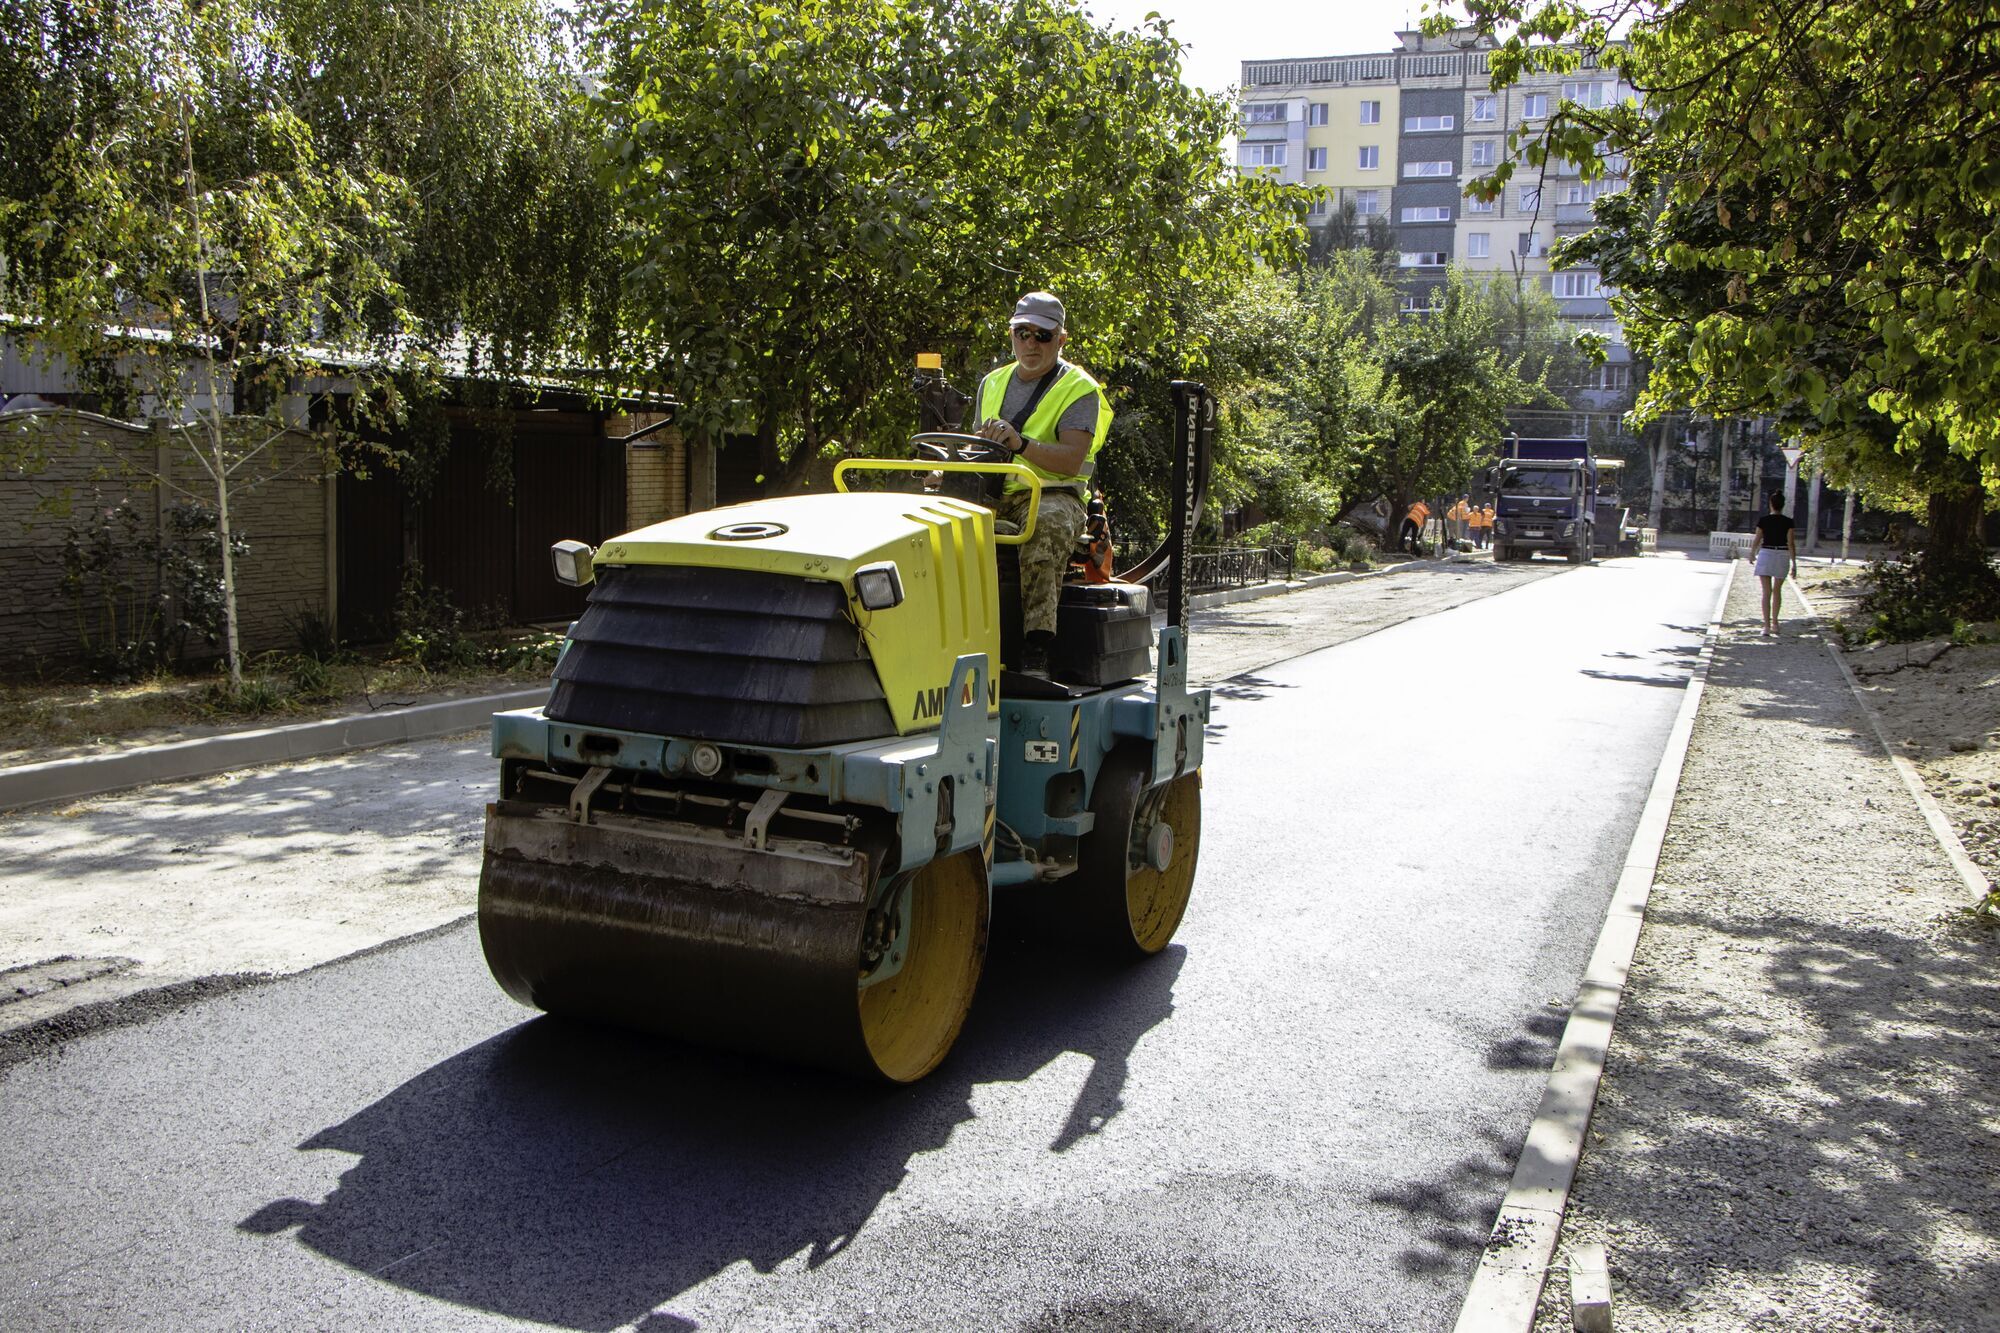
column 715, row 943
column 1136, row 873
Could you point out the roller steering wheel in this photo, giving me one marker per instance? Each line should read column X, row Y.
column 953, row 446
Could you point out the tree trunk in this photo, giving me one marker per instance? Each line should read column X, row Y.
column 1721, row 429
column 1812, row 511
column 1658, row 451
column 1954, row 518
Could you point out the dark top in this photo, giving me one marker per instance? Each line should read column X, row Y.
column 1775, row 527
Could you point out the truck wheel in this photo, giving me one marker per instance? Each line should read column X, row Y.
column 1137, row 866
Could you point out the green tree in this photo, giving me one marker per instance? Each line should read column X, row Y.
column 1813, row 229
column 1446, row 389
column 809, row 194
column 186, row 232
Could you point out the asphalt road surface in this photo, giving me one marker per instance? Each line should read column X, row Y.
column 1303, row 1114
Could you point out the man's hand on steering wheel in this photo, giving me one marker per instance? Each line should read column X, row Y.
column 1003, row 434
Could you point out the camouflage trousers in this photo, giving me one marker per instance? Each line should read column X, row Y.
column 1045, row 556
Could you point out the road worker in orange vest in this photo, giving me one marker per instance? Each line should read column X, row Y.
column 1411, row 537
column 1460, row 515
column 1484, row 529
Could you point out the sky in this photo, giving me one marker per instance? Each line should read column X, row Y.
column 1222, row 34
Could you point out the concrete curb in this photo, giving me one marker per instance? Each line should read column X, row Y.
column 1934, row 815
column 93, row 775
column 1507, row 1285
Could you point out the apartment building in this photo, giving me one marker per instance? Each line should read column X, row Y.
column 1404, row 132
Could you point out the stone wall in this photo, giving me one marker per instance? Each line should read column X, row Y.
column 656, row 476
column 72, row 463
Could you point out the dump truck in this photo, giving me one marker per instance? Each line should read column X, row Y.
column 784, row 767
column 1545, row 499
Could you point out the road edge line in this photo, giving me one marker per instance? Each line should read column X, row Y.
column 26, row 785
column 1969, row 872
column 1506, row 1288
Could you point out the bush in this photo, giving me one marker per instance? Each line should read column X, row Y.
column 430, row 631
column 143, row 595
column 1910, row 599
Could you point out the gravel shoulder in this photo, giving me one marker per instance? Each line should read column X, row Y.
column 1799, row 1124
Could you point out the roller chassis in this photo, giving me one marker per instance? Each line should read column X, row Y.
column 711, row 872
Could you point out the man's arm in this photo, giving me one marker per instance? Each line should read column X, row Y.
column 1064, row 457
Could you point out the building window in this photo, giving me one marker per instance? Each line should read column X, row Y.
column 1531, row 246
column 1368, row 203
column 1425, row 124
column 1264, row 113
column 1427, row 168
column 1371, row 113
column 1318, row 209
column 1598, row 94
column 1531, row 198
column 1534, row 105
column 1482, row 153
column 1439, row 214
column 1371, row 158
column 1417, row 305
column 1577, row 286
column 1316, row 113
column 1315, row 159
column 1478, row 245
column 1422, row 259
column 1485, row 108
column 1477, row 205
column 1617, row 376
column 1263, row 155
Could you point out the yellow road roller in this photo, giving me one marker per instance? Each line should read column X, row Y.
column 779, row 779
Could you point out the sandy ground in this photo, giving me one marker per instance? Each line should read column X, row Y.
column 1799, row 1122
column 1940, row 707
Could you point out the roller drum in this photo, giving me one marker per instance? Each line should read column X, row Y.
column 700, row 936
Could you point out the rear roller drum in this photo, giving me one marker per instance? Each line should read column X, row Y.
column 755, row 951
column 1137, row 868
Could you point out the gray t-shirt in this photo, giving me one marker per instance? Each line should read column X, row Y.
column 1079, row 415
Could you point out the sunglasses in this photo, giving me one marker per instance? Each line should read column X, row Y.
column 1027, row 331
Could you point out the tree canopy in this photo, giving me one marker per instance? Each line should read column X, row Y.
column 811, row 193
column 1813, row 227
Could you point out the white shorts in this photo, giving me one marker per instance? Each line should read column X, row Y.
column 1772, row 564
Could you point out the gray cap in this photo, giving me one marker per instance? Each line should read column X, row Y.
column 1040, row 309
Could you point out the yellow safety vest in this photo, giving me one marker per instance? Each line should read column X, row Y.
column 1072, row 385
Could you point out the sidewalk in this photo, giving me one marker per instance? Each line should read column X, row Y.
column 1799, row 1123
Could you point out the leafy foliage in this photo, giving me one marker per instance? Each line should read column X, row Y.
column 142, row 596
column 1814, row 224
column 811, row 193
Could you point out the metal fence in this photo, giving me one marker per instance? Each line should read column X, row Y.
column 1217, row 568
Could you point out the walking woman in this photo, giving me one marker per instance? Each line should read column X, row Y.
column 1773, row 554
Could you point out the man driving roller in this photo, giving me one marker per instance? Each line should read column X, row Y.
column 1053, row 417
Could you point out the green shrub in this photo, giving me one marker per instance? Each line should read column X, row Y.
column 1911, row 599
column 430, row 631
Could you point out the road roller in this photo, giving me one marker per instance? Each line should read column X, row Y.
column 784, row 773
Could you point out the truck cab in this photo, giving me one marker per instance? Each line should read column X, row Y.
column 1545, row 499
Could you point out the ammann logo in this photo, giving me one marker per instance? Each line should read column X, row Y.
column 930, row 703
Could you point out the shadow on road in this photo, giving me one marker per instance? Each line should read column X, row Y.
column 581, row 1178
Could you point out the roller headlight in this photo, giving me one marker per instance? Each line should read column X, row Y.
column 878, row 587
column 572, row 560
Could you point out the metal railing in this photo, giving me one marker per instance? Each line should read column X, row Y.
column 1218, row 568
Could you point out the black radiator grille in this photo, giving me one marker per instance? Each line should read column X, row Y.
column 722, row 655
